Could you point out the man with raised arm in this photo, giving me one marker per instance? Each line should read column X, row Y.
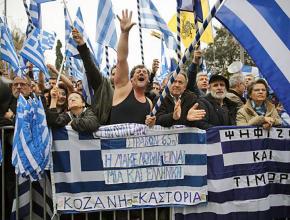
column 130, row 105
column 103, row 91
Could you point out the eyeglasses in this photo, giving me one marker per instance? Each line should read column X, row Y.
column 19, row 84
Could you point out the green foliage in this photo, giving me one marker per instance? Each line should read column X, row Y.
column 58, row 54
column 225, row 49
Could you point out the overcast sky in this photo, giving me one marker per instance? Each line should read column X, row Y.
column 53, row 20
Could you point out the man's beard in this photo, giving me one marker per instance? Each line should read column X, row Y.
column 218, row 96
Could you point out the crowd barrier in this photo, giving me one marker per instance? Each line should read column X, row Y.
column 101, row 215
column 28, row 205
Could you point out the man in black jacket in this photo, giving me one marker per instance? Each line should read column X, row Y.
column 180, row 106
column 103, row 90
column 219, row 109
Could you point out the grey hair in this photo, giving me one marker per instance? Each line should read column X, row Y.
column 180, row 73
column 200, row 74
column 236, row 79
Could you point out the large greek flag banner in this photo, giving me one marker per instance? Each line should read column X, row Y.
column 164, row 167
column 248, row 175
column 262, row 27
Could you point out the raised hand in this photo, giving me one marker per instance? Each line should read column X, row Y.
column 125, row 22
column 196, row 57
column 195, row 114
column 78, row 37
column 52, row 68
column 177, row 110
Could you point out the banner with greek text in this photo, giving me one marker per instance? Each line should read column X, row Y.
column 156, row 167
column 248, row 175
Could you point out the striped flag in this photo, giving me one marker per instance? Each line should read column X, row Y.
column 161, row 168
column 33, row 52
column 71, row 50
column 248, row 175
column 165, row 68
column 7, row 49
column 262, row 28
column 35, row 12
column 77, row 69
column 32, row 140
column 192, row 6
column 47, row 40
column 39, row 201
column 43, row 1
column 150, row 18
column 106, row 34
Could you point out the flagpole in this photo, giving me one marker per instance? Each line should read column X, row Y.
column 178, row 50
column 186, row 56
column 242, row 54
column 107, row 60
column 5, row 8
column 69, row 17
column 60, row 70
column 63, row 60
column 195, row 22
column 140, row 31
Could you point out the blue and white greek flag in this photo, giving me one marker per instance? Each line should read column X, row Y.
column 76, row 69
column 32, row 139
column 164, row 64
column 40, row 196
column 106, row 29
column 7, row 49
column 165, row 167
column 33, row 52
column 262, row 28
column 35, row 72
column 71, row 49
column 44, row 134
column 191, row 5
column 35, row 13
column 47, row 40
column 248, row 175
column 67, row 25
column 150, row 18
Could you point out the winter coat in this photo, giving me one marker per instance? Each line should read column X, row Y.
column 103, row 90
column 217, row 115
column 87, row 121
column 247, row 115
column 164, row 115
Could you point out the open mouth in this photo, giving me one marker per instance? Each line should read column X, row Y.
column 141, row 79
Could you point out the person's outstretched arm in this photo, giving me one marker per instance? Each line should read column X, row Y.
column 121, row 77
column 92, row 71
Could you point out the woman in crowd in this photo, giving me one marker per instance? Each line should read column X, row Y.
column 81, row 118
column 62, row 95
column 258, row 110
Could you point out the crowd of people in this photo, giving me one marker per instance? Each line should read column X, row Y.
column 126, row 96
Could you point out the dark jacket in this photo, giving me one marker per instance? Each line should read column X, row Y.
column 217, row 115
column 86, row 122
column 6, row 100
column 237, row 98
column 103, row 90
column 164, row 115
column 11, row 104
column 192, row 71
